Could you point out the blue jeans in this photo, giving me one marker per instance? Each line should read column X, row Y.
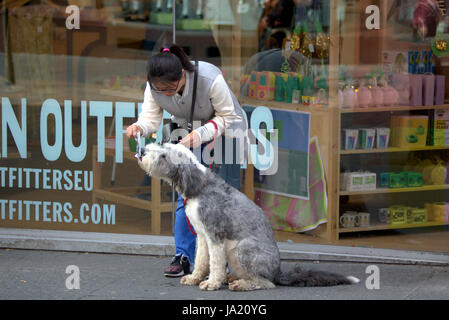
column 185, row 240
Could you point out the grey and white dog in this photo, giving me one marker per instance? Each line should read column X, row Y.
column 231, row 229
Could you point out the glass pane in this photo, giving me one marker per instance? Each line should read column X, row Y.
column 71, row 79
column 394, row 118
column 289, row 42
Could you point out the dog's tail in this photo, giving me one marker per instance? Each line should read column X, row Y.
column 312, row 278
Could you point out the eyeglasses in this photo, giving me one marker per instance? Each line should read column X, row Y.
column 165, row 90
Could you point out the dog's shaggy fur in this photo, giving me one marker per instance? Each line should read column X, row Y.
column 231, row 228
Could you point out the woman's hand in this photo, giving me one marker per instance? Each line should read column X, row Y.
column 131, row 131
column 192, row 140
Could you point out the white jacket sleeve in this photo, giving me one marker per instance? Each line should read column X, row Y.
column 225, row 114
column 151, row 115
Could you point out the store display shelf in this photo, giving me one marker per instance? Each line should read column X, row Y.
column 379, row 226
column 398, row 108
column 393, row 149
column 395, row 190
column 123, row 93
column 282, row 105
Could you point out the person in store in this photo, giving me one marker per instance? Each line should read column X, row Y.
column 170, row 87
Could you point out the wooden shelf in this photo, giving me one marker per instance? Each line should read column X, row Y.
column 281, row 105
column 379, row 226
column 396, row 190
column 393, row 149
column 397, row 108
column 123, row 93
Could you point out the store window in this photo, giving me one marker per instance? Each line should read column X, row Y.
column 355, row 93
column 73, row 76
column 393, row 116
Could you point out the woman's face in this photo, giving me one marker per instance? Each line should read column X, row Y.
column 167, row 88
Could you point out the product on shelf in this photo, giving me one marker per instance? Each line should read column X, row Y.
column 398, row 215
column 285, row 85
column 367, row 137
column 362, row 219
column 438, row 174
column 357, row 181
column 414, row 179
column 347, row 219
column 349, row 97
column 439, row 89
column 351, row 219
column 390, row 95
column 438, row 211
column 434, row 171
column 384, row 179
column 416, row 86
column 416, row 215
column 400, row 180
column 401, row 82
column 428, row 89
column 383, row 137
column 350, row 137
column 266, row 87
column 439, row 123
column 363, row 96
column 397, row 180
column 383, row 215
column 377, row 94
column 409, row 131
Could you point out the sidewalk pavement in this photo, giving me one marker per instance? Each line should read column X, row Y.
column 38, row 274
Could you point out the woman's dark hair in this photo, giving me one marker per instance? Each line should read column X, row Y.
column 167, row 65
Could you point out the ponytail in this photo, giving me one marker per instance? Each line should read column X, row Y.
column 167, row 65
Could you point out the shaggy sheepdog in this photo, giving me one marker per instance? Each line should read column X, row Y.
column 231, row 229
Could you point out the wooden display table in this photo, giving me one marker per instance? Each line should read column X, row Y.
column 117, row 194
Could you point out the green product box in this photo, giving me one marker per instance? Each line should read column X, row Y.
column 397, row 180
column 414, row 179
column 384, row 180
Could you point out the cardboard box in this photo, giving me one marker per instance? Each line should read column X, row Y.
column 441, row 127
column 266, row 85
column 409, row 131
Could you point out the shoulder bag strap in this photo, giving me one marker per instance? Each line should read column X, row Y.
column 192, row 108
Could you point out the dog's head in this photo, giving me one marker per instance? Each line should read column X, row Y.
column 173, row 163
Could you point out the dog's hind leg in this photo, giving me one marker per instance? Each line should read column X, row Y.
column 201, row 269
column 236, row 270
column 217, row 266
column 251, row 284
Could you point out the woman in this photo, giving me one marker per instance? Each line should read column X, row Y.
column 170, row 87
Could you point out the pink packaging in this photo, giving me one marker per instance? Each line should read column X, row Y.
column 416, row 86
column 377, row 97
column 439, row 89
column 401, row 82
column 428, row 89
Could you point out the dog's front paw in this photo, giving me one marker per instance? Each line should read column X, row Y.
column 190, row 280
column 210, row 285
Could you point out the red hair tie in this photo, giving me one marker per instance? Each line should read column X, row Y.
column 166, row 50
